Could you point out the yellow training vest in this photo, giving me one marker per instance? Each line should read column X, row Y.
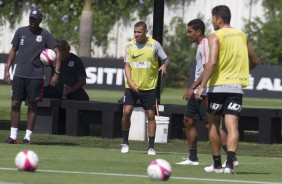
column 233, row 63
column 144, row 66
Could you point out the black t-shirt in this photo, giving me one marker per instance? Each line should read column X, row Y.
column 30, row 45
column 70, row 70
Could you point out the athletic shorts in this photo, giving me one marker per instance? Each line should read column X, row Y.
column 147, row 98
column 196, row 109
column 225, row 103
column 30, row 90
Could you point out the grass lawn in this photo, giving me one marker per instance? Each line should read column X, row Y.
column 71, row 160
column 90, row 159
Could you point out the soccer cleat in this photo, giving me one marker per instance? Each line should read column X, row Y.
column 235, row 163
column 212, row 169
column 124, row 148
column 11, row 141
column 187, row 161
column 151, row 151
column 25, row 141
column 228, row 170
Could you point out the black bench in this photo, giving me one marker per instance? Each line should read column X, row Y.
column 79, row 114
column 48, row 117
column 266, row 121
column 176, row 115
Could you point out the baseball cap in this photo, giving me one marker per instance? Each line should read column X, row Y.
column 36, row 14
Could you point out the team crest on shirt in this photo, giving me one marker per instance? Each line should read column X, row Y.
column 39, row 38
column 71, row 63
column 149, row 45
column 129, row 45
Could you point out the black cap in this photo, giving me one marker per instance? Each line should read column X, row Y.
column 36, row 14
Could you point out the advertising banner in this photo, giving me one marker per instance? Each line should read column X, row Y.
column 108, row 74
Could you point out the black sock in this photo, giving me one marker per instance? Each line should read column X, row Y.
column 231, row 156
column 125, row 135
column 151, row 142
column 193, row 154
column 217, row 161
column 224, row 148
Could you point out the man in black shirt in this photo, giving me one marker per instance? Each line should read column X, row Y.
column 72, row 77
column 27, row 44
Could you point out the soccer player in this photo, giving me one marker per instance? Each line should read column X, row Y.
column 141, row 71
column 196, row 109
column 72, row 77
column 27, row 44
column 225, row 75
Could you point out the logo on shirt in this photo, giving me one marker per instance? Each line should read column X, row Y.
column 149, row 45
column 71, row 63
column 39, row 38
column 136, row 56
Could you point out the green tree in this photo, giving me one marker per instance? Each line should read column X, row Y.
column 266, row 35
column 62, row 17
column 180, row 51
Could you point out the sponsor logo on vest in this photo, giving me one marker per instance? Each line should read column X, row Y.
column 234, row 107
column 215, row 106
column 134, row 57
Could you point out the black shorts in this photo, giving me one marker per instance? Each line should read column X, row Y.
column 30, row 90
column 196, row 109
column 147, row 98
column 225, row 103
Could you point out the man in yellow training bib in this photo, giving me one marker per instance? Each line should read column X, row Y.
column 227, row 72
column 141, row 71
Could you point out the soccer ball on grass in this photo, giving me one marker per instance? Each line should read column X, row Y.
column 26, row 160
column 159, row 169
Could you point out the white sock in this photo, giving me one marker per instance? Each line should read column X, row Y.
column 14, row 133
column 28, row 134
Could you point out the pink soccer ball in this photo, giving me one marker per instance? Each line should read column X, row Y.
column 159, row 169
column 26, row 160
column 48, row 57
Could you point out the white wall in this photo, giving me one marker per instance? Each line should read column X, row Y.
column 123, row 31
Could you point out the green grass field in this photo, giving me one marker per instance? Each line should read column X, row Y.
column 89, row 159
column 71, row 160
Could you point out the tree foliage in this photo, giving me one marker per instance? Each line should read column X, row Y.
column 266, row 35
column 180, row 51
column 62, row 16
